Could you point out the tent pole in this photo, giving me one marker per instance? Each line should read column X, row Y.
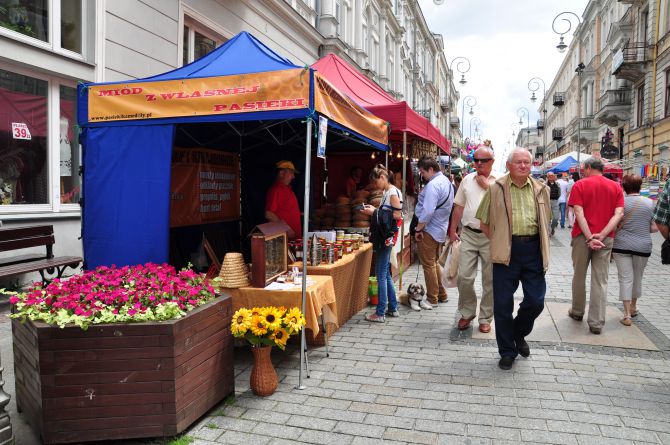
column 402, row 226
column 305, row 228
column 387, row 159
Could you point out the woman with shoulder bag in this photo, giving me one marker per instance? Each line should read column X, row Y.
column 383, row 233
column 632, row 245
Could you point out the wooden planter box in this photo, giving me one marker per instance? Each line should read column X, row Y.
column 122, row 381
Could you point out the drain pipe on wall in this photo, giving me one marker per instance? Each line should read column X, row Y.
column 654, row 73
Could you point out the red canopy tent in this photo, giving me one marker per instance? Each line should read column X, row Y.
column 366, row 93
column 405, row 122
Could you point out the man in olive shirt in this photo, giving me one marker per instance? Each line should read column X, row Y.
column 515, row 214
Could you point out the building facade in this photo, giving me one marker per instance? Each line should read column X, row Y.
column 618, row 100
column 48, row 46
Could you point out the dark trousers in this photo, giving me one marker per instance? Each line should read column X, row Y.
column 525, row 266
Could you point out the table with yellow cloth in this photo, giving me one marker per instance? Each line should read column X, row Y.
column 320, row 299
column 350, row 277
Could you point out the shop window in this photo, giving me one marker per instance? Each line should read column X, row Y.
column 28, row 17
column 198, row 42
column 70, row 158
column 71, row 25
column 23, row 139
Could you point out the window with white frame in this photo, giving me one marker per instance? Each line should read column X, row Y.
column 39, row 142
column 53, row 24
column 199, row 41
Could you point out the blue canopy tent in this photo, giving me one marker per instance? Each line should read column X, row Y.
column 563, row 166
column 128, row 134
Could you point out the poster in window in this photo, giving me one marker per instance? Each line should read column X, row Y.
column 205, row 187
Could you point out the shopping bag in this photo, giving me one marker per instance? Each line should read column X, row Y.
column 450, row 268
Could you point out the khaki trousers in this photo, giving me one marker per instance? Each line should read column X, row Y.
column 429, row 251
column 475, row 247
column 582, row 255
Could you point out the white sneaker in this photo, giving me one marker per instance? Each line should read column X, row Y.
column 375, row 318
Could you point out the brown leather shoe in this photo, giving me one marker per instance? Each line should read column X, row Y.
column 464, row 323
column 575, row 317
column 484, row 328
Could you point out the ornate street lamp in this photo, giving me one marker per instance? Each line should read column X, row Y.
column 534, row 85
column 462, row 61
column 523, row 112
column 515, row 128
column 477, row 122
column 579, row 70
column 470, row 101
column 561, row 47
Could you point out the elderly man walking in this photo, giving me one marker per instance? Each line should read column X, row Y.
column 514, row 215
column 598, row 204
column 474, row 244
column 432, row 211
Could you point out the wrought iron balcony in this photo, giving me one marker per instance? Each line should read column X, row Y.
column 630, row 61
column 540, row 124
column 455, row 122
column 539, row 150
column 614, row 106
column 445, row 105
column 559, row 99
column 557, row 133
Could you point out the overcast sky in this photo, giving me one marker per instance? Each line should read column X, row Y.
column 507, row 43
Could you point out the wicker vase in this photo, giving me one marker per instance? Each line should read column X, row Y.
column 263, row 380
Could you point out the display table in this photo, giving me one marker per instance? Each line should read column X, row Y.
column 350, row 277
column 320, row 300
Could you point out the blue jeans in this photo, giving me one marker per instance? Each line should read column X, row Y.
column 561, row 206
column 525, row 266
column 386, row 291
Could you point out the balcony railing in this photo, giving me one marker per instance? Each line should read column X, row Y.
column 557, row 134
column 559, row 99
column 455, row 122
column 539, row 150
column 636, row 52
column 587, row 123
column 540, row 124
column 614, row 98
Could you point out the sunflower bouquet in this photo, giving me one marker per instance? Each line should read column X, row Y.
column 267, row 326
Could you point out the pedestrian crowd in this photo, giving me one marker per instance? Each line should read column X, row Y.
column 505, row 224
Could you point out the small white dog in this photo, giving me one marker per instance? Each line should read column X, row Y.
column 416, row 296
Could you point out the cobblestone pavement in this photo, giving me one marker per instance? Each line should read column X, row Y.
column 417, row 379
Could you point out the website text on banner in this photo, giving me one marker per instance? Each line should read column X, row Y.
column 205, row 187
column 267, row 91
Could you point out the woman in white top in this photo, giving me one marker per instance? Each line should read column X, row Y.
column 391, row 203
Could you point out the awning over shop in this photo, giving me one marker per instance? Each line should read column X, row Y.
column 368, row 94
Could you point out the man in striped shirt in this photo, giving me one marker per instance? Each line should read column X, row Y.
column 515, row 214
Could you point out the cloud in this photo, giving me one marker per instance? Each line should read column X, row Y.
column 507, row 43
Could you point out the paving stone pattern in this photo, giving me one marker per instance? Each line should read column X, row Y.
column 417, row 379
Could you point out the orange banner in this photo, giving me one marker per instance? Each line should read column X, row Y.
column 205, row 186
column 244, row 93
column 338, row 107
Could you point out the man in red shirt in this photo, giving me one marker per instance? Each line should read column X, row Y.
column 598, row 205
column 281, row 203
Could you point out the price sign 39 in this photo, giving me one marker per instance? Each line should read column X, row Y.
column 20, row 131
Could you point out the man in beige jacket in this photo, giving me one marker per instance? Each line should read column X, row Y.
column 515, row 215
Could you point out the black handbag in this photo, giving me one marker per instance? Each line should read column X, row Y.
column 665, row 252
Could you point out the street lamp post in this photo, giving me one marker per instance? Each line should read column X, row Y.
column 565, row 17
column 534, row 85
column 523, row 112
column 470, row 101
column 462, row 66
column 579, row 70
column 477, row 122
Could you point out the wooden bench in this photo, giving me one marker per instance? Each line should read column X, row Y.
column 16, row 238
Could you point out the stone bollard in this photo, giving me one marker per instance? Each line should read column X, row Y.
column 6, row 436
